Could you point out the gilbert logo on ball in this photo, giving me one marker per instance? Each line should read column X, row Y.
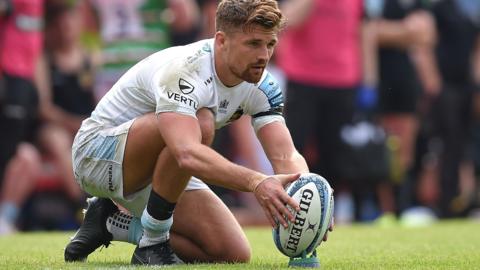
column 315, row 198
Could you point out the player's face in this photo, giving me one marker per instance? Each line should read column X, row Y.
column 247, row 54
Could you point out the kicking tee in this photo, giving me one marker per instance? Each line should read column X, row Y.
column 182, row 79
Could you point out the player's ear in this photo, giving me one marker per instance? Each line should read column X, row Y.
column 220, row 39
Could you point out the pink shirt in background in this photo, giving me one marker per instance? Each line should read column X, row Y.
column 325, row 50
column 21, row 42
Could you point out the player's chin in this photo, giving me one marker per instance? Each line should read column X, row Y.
column 254, row 75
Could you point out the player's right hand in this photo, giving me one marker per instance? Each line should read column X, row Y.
column 271, row 195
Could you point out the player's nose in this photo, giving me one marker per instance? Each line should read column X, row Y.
column 263, row 54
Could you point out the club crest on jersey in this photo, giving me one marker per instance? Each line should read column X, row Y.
column 222, row 107
column 185, row 86
column 224, row 104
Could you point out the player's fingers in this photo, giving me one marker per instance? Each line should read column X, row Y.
column 325, row 237
column 277, row 215
column 290, row 201
column 330, row 229
column 281, row 207
column 332, row 224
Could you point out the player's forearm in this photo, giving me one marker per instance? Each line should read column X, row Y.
column 280, row 150
column 293, row 163
column 206, row 164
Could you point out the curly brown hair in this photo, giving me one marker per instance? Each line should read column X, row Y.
column 244, row 14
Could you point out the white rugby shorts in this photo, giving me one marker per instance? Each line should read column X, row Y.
column 97, row 166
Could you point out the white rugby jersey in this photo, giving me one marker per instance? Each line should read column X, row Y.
column 182, row 79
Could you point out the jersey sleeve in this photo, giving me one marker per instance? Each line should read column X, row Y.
column 266, row 104
column 180, row 92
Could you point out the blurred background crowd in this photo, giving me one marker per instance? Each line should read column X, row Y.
column 382, row 97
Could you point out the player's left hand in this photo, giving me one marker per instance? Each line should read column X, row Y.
column 272, row 197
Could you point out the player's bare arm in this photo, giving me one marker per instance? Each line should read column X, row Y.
column 280, row 150
column 184, row 141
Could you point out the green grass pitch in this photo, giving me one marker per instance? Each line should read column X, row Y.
column 445, row 245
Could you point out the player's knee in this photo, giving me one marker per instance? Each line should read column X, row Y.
column 206, row 120
column 231, row 252
column 242, row 254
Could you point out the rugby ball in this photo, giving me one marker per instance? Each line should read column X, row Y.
column 315, row 198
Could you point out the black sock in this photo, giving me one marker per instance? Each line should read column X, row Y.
column 158, row 207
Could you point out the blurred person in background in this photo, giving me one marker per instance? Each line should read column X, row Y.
column 451, row 190
column 328, row 56
column 130, row 30
column 406, row 35
column 21, row 23
column 188, row 19
column 66, row 98
column 207, row 11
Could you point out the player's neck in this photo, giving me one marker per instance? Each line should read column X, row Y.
column 223, row 71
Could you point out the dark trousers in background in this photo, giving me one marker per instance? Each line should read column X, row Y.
column 315, row 116
column 18, row 116
column 452, row 120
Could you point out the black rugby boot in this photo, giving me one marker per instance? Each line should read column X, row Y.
column 93, row 232
column 159, row 254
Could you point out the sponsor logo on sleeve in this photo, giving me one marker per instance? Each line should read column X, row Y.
column 185, row 86
column 272, row 90
column 182, row 99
